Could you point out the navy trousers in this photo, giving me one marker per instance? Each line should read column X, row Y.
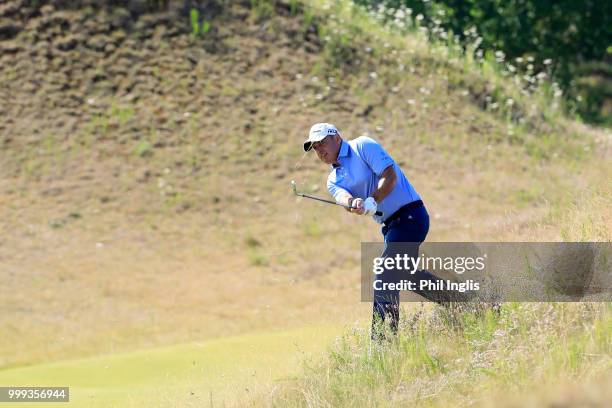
column 409, row 227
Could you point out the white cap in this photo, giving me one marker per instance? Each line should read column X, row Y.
column 319, row 132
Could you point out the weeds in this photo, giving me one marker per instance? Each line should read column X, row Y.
column 198, row 28
column 261, row 9
column 294, row 7
column 340, row 50
column 143, row 149
column 257, row 258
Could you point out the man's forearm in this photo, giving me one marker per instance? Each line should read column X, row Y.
column 386, row 183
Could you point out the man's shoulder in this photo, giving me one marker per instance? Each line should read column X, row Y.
column 361, row 143
column 361, row 140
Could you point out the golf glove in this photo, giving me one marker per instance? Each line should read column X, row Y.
column 370, row 206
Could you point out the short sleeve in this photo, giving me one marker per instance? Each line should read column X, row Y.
column 373, row 154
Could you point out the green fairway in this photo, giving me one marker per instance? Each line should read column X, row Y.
column 218, row 371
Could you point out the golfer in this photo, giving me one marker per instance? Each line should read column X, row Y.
column 366, row 179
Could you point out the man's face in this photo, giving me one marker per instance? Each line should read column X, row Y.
column 327, row 149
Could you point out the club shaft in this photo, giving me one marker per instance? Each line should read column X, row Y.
column 328, row 201
column 321, row 199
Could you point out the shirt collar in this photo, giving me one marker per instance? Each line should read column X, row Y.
column 344, row 150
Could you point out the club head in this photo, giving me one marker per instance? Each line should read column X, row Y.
column 293, row 187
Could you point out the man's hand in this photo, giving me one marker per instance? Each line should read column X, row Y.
column 370, row 206
column 357, row 206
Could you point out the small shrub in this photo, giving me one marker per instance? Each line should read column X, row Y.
column 257, row 258
column 252, row 242
column 261, row 9
column 143, row 149
column 198, row 28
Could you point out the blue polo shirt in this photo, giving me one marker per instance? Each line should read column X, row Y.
column 362, row 161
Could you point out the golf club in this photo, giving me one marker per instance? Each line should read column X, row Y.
column 294, row 188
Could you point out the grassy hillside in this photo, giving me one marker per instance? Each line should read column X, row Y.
column 145, row 170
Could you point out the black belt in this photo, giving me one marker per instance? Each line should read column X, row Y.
column 402, row 209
